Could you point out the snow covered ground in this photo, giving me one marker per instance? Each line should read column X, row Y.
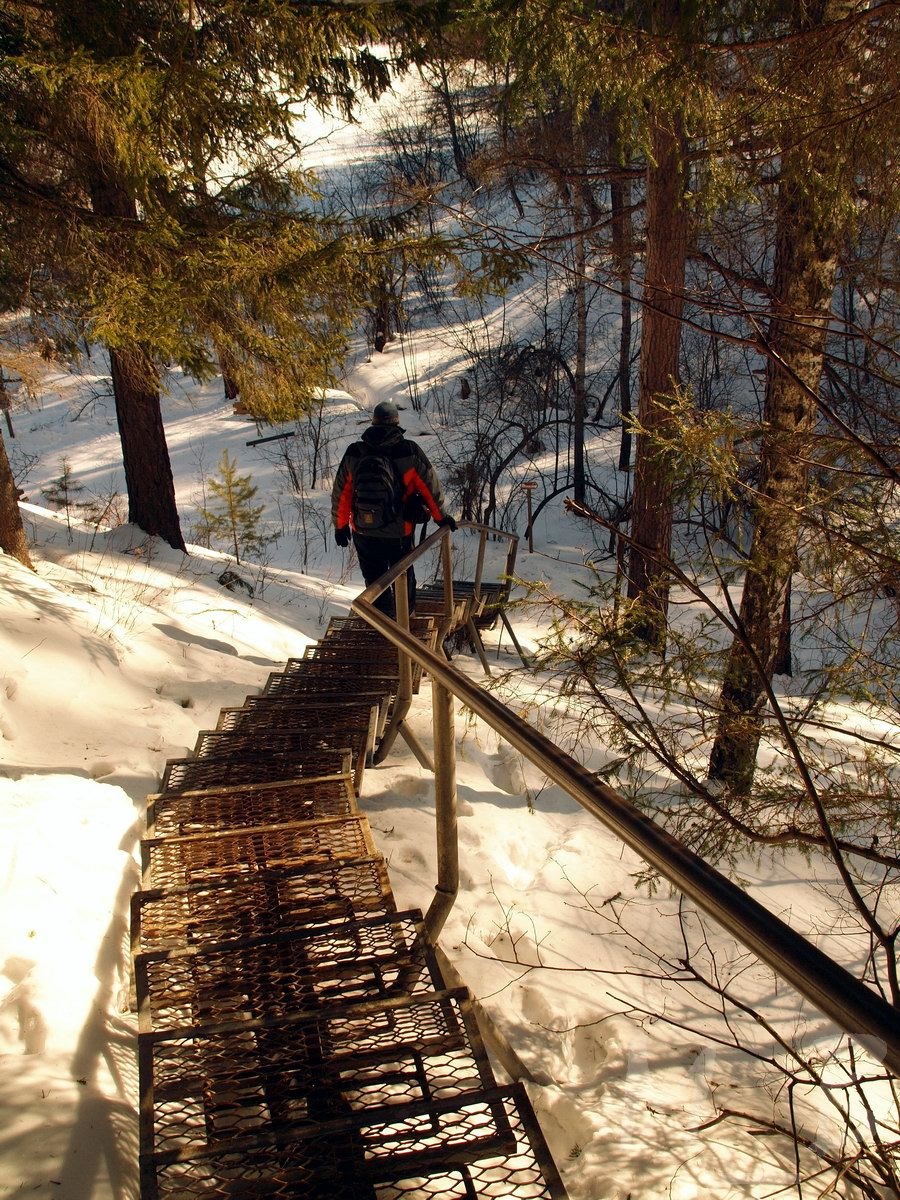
column 118, row 650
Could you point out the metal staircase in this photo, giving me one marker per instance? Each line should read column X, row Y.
column 296, row 1037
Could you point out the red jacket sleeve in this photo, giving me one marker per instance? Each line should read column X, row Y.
column 342, row 494
column 422, row 478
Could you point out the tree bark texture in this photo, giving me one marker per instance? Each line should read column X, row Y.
column 623, row 255
column 226, row 366
column 803, row 287
column 148, row 471
column 579, row 399
column 12, row 531
column 579, row 406
column 459, row 154
column 663, row 304
column 382, row 318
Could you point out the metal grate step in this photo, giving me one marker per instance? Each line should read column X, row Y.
column 201, row 857
column 250, row 804
column 259, row 903
column 349, row 713
column 301, row 674
column 372, row 1063
column 313, row 1170
column 295, row 1036
column 223, row 743
column 278, row 974
column 370, row 664
column 360, row 656
column 306, row 693
column 421, row 627
column 352, row 648
column 438, row 1158
column 190, row 774
column 353, row 730
column 315, row 686
column 525, row 1172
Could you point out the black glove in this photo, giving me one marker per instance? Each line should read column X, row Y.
column 448, row 523
column 342, row 537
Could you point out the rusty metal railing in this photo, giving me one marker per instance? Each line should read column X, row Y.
column 853, row 1006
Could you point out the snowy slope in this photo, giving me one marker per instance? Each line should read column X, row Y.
column 118, row 650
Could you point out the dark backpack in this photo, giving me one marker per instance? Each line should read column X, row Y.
column 377, row 492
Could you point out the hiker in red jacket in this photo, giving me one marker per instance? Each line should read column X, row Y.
column 382, row 482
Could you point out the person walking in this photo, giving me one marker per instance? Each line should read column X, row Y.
column 381, row 481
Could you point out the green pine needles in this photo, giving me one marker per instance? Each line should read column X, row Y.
column 235, row 518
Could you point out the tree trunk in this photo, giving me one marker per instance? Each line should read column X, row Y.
column 148, row 471
column 12, row 531
column 620, row 199
column 663, row 303
column 230, row 388
column 459, row 154
column 806, row 239
column 382, row 317
column 6, row 406
column 226, row 366
column 782, row 664
column 579, row 406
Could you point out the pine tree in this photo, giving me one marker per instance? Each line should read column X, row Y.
column 821, row 162
column 62, row 492
column 640, row 82
column 236, row 518
column 109, row 117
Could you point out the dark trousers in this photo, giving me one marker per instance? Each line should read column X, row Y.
column 377, row 555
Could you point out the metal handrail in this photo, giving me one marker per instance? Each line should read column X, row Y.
column 853, row 1006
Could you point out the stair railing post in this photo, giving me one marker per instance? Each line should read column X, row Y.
column 447, row 885
column 401, row 609
column 447, row 572
column 403, row 701
column 404, row 683
column 479, row 565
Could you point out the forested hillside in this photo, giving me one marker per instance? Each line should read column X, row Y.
column 641, row 256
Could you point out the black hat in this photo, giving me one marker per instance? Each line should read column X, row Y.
column 385, row 413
